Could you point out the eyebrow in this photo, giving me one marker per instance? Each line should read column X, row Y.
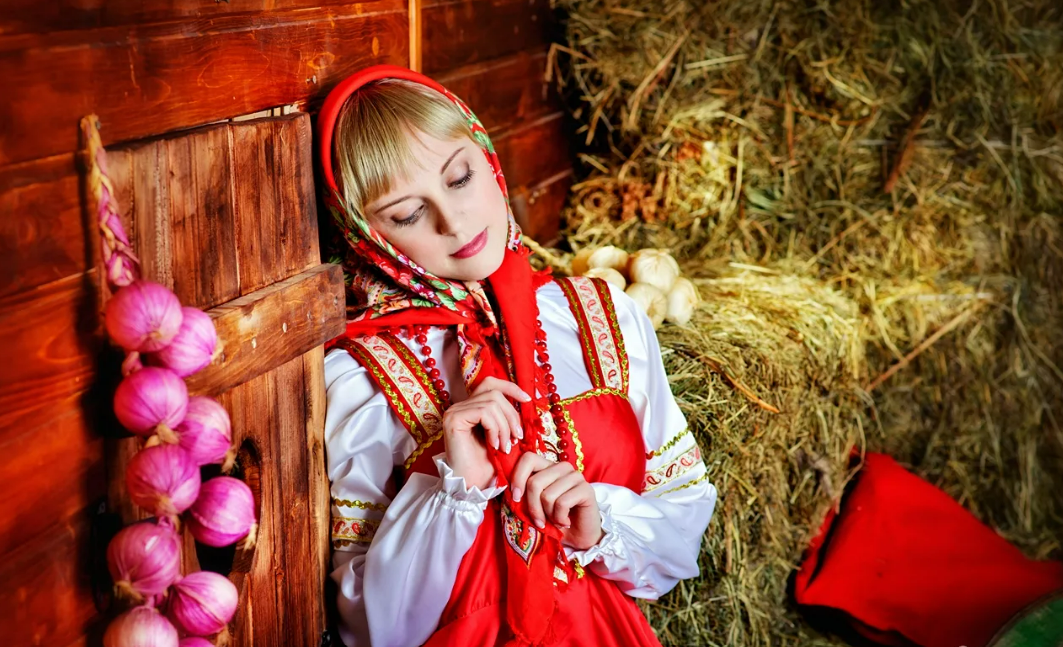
column 441, row 172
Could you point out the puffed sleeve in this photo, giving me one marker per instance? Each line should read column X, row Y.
column 396, row 554
column 652, row 538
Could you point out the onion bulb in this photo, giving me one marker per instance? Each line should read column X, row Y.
column 140, row 627
column 151, row 401
column 653, row 266
column 144, row 560
column 651, row 299
column 164, row 480
column 143, row 316
column 610, row 257
column 579, row 261
column 681, row 301
column 223, row 513
column 202, row 603
column 192, row 348
column 608, row 274
column 206, row 432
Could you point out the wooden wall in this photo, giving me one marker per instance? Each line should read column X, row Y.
column 156, row 67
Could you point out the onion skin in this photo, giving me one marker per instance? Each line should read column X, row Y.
column 202, row 603
column 144, row 560
column 651, row 300
column 141, row 627
column 206, row 432
column 223, row 513
column 609, row 275
column 163, row 480
column 192, row 348
column 143, row 316
column 151, row 401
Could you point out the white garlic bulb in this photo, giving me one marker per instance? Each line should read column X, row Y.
column 609, row 274
column 651, row 299
column 682, row 300
column 608, row 256
column 579, row 261
column 653, row 266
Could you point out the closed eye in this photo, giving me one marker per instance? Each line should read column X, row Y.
column 457, row 184
column 413, row 217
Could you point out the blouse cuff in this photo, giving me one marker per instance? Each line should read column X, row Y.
column 456, row 491
column 609, row 544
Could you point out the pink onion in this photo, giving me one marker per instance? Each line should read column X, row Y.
column 144, row 560
column 140, row 627
column 223, row 513
column 195, row 641
column 202, row 603
column 151, row 401
column 143, row 316
column 163, row 480
column 206, row 433
column 192, row 348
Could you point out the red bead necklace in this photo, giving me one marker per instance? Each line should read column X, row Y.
column 544, row 384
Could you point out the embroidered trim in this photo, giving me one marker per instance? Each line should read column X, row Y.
column 670, row 444
column 347, row 531
column 522, row 538
column 405, row 384
column 701, row 479
column 364, row 505
column 586, row 395
column 670, row 472
column 599, row 331
column 577, row 446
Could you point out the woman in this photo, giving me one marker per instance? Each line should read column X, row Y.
column 508, row 464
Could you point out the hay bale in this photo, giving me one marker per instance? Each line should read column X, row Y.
column 900, row 166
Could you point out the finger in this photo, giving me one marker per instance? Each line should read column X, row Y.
column 553, row 492
column 494, row 425
column 580, row 495
column 528, row 464
column 505, row 387
column 507, row 409
column 537, row 484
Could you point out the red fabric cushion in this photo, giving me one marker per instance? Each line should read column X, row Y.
column 903, row 557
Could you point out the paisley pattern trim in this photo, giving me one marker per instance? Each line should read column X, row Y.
column 347, row 531
column 405, row 384
column 599, row 331
column 701, row 479
column 671, row 471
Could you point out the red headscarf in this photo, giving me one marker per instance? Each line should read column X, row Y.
column 388, row 290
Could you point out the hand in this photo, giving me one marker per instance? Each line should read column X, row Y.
column 487, row 409
column 556, row 491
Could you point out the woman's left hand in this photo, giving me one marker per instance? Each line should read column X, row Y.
column 556, row 491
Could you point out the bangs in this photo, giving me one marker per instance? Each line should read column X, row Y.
column 372, row 148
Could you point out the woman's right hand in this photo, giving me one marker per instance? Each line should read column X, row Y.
column 489, row 409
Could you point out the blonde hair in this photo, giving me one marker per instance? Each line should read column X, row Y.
column 371, row 146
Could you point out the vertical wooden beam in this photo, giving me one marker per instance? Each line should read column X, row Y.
column 415, row 35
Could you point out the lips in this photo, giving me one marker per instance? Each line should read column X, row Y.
column 473, row 247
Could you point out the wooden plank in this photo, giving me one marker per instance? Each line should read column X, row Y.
column 533, row 152
column 51, row 468
column 504, row 92
column 42, row 235
column 30, row 16
column 319, row 503
column 51, row 345
column 538, row 208
column 471, row 31
column 270, row 327
column 274, row 201
column 45, row 589
column 145, row 80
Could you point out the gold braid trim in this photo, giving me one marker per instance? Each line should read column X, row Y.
column 577, row 446
column 355, row 503
column 670, row 444
column 586, row 395
column 614, row 325
column 701, row 479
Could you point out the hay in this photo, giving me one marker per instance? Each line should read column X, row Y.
column 756, row 141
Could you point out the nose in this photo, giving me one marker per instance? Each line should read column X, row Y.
column 448, row 220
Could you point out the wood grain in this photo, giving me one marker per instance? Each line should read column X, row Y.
column 472, row 31
column 537, row 208
column 150, row 79
column 271, row 326
column 504, row 92
column 533, row 152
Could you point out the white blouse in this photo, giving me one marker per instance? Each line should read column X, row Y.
column 393, row 590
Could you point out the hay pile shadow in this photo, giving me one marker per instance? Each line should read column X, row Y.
column 869, row 197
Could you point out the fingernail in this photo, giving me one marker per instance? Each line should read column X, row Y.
column 540, row 524
column 506, row 447
column 517, row 494
column 565, row 527
column 494, row 443
column 520, row 434
column 524, row 397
